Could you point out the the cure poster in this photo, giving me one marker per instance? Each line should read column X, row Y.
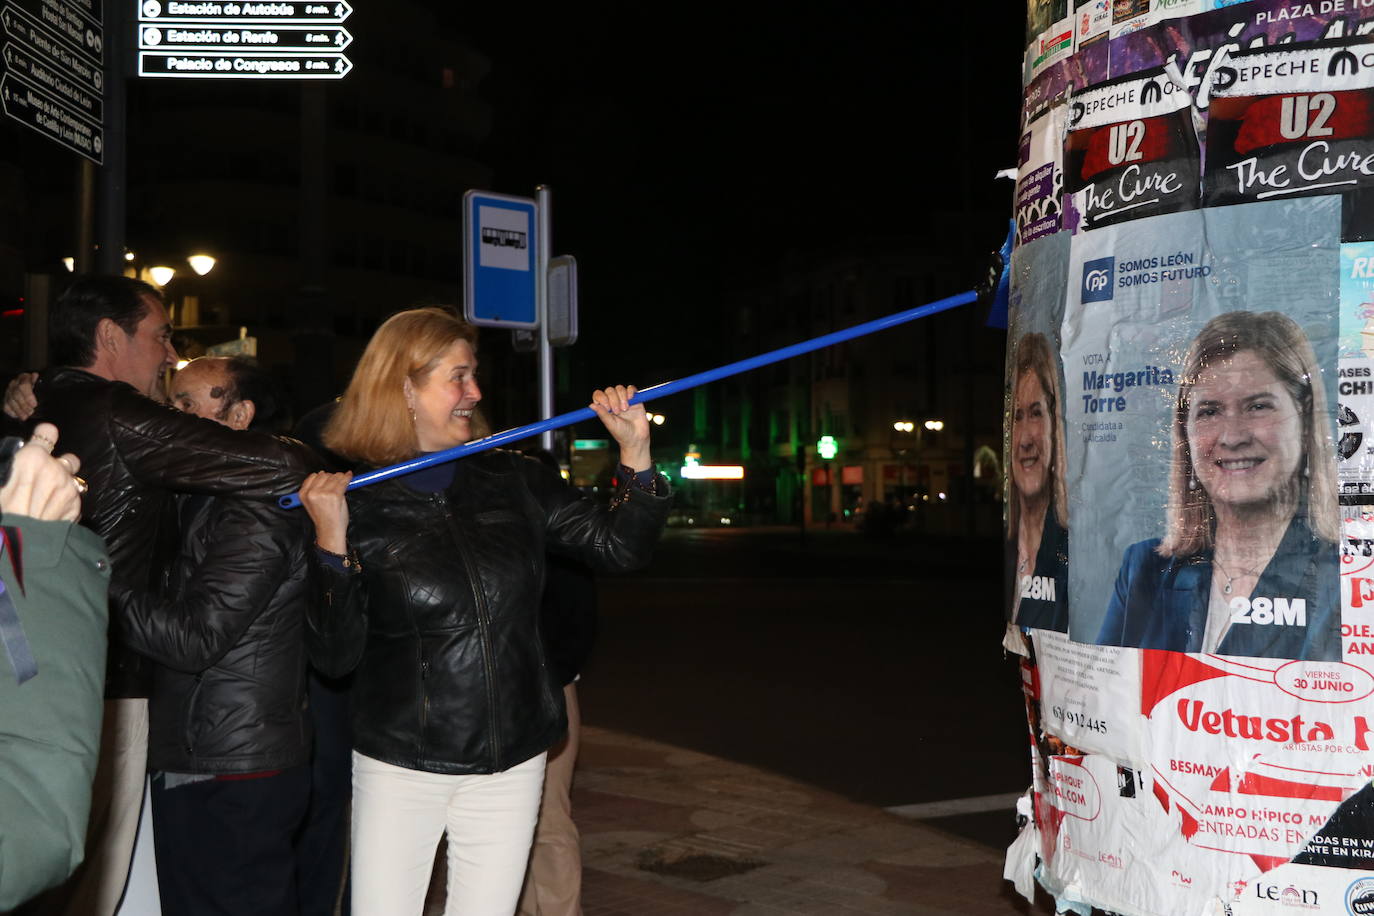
column 1189, row 549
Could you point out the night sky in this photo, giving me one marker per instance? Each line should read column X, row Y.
column 689, row 148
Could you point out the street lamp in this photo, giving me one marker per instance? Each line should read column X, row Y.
column 202, row 264
column 185, row 309
column 901, row 447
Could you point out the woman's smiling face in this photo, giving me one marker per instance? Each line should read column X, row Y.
column 1031, row 440
column 1245, row 431
column 444, row 400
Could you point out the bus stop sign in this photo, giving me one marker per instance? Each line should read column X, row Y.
column 498, row 260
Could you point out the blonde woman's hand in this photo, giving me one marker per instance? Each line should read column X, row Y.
column 323, row 496
column 628, row 424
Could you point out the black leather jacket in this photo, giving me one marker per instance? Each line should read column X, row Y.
column 229, row 687
column 134, row 453
column 442, row 622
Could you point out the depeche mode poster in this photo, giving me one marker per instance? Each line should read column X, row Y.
column 1189, row 435
column 1131, row 151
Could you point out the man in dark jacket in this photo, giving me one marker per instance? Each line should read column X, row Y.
column 110, row 339
column 229, row 739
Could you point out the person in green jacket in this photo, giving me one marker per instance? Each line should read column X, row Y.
column 54, row 576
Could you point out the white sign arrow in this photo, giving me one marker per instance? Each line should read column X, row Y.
column 220, row 13
column 231, row 65
column 243, row 38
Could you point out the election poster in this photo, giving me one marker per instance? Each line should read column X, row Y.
column 1190, row 416
column 1036, row 497
column 1146, row 304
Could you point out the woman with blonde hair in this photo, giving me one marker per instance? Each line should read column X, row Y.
column 1037, row 513
column 1249, row 563
column 430, row 588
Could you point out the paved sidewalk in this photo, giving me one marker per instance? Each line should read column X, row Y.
column 674, row 832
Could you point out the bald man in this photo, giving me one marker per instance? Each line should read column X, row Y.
column 229, row 734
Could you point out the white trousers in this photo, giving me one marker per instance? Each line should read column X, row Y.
column 399, row 815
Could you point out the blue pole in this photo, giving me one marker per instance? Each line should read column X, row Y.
column 648, row 394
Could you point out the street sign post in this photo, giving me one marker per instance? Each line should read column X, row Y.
column 243, row 40
column 53, row 80
column 499, row 269
column 562, row 301
column 562, row 318
column 30, row 69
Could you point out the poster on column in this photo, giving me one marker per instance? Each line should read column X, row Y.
column 1131, row 151
column 1200, row 46
column 1092, row 22
column 1117, row 848
column 1291, row 120
column 1049, row 35
column 1036, row 548
column 1357, row 300
column 1252, row 756
column 1245, row 762
column 1040, row 178
column 1195, row 445
column 1355, row 454
column 1090, row 697
column 1130, row 16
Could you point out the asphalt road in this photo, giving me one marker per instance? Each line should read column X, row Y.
column 869, row 668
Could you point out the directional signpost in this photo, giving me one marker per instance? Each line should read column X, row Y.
column 243, row 40
column 53, row 84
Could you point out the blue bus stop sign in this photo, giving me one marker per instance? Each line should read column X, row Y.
column 498, row 260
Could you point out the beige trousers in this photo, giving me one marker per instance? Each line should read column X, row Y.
column 97, row 885
column 553, row 885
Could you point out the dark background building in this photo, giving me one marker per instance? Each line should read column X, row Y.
column 729, row 185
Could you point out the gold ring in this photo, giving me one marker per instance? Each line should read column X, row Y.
column 47, row 443
column 81, row 486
